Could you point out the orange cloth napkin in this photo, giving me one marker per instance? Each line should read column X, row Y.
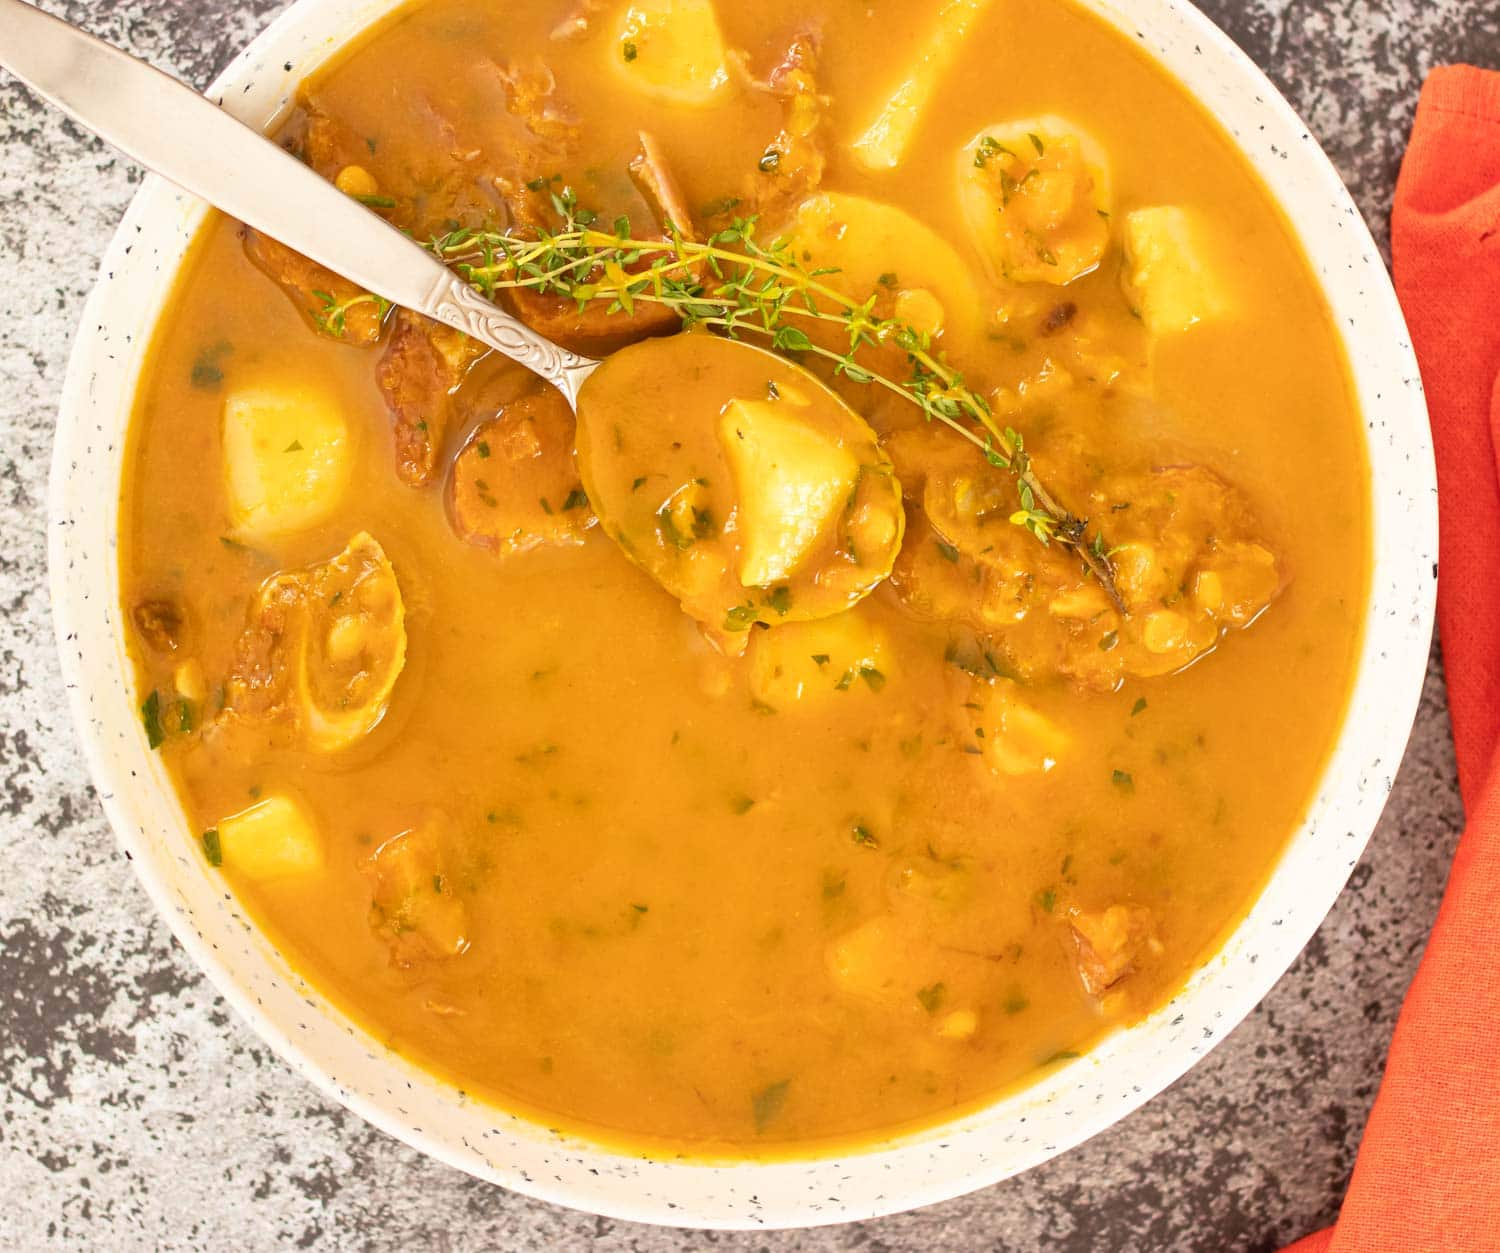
column 1428, row 1173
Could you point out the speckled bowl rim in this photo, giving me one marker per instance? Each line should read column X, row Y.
column 1075, row 1102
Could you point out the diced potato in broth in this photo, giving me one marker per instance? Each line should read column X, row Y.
column 884, row 143
column 1169, row 277
column 287, row 458
column 817, row 665
column 672, row 49
column 875, row 249
column 275, row 838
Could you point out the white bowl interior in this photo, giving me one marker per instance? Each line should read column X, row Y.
column 1071, row 1104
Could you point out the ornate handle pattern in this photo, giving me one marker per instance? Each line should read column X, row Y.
column 453, row 302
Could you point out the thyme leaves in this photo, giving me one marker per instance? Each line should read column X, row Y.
column 743, row 287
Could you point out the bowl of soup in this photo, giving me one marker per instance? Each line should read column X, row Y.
column 826, row 778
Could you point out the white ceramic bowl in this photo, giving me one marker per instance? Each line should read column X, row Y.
column 1011, row 1135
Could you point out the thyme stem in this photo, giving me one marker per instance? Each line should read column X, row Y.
column 734, row 283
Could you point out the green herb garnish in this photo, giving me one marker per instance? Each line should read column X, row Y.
column 151, row 719
column 768, row 1102
column 931, row 997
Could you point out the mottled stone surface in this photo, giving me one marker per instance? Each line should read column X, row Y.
column 136, row 1112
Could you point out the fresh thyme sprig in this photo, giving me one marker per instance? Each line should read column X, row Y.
column 740, row 286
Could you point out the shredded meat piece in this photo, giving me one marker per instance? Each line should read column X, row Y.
column 653, row 177
column 258, row 688
column 328, row 145
column 515, row 485
column 335, row 306
column 793, row 164
column 422, row 367
column 529, row 96
column 1111, row 943
column 161, row 624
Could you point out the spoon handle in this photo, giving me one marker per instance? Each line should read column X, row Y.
column 168, row 127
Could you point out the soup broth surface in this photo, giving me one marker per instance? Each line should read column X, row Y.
column 725, row 881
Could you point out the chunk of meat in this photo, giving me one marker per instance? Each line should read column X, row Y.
column 161, row 624
column 515, row 486
column 653, row 178
column 792, row 165
column 336, row 307
column 1111, row 943
column 414, row 904
column 530, row 96
column 1189, row 562
column 321, row 650
column 595, row 330
column 420, row 371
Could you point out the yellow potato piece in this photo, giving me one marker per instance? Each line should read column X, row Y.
column 273, row 839
column 792, row 480
column 872, row 962
column 883, row 144
column 287, row 459
column 1036, row 195
column 1166, row 277
column 810, row 664
column 672, row 50
column 1016, row 738
column 799, row 519
column 876, row 247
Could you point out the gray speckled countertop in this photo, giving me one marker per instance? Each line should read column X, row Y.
column 137, row 1112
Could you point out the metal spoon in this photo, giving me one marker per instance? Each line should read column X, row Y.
column 168, row 127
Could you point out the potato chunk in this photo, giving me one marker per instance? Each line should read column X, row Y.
column 884, row 142
column 273, row 839
column 739, row 530
column 878, row 249
column 791, row 478
column 1036, row 193
column 1167, row 278
column 288, row 455
column 813, row 663
column 323, row 649
column 672, row 50
column 872, row 961
column 413, row 902
column 515, row 485
column 1014, row 737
